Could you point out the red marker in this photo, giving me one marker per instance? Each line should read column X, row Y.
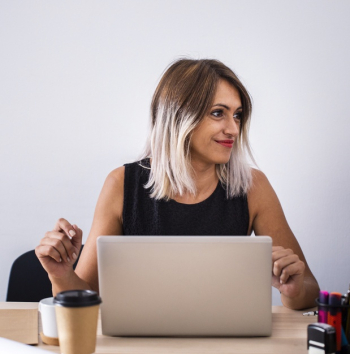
column 322, row 310
column 334, row 315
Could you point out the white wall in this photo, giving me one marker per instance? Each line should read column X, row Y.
column 76, row 80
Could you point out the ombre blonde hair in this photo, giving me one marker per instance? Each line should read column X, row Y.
column 182, row 98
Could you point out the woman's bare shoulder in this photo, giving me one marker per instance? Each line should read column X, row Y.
column 260, row 183
column 260, row 194
column 112, row 193
column 116, row 176
column 115, row 181
column 258, row 176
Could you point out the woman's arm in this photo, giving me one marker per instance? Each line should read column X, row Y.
column 107, row 221
column 57, row 248
column 291, row 274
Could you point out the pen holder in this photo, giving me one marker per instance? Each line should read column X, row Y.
column 325, row 309
column 344, row 309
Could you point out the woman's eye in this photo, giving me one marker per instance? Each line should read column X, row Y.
column 218, row 113
column 238, row 115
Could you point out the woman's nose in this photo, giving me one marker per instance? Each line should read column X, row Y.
column 232, row 128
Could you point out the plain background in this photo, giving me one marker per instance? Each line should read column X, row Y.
column 76, row 81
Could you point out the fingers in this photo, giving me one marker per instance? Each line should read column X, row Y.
column 44, row 250
column 277, row 248
column 61, row 243
column 77, row 238
column 73, row 232
column 65, row 226
column 291, row 270
column 282, row 263
column 285, row 263
column 279, row 252
column 288, row 266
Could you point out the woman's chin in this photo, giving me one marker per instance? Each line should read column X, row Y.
column 222, row 159
column 217, row 159
column 223, row 162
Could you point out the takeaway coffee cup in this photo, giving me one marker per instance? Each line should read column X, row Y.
column 48, row 321
column 77, row 314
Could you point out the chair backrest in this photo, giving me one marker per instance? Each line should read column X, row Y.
column 28, row 281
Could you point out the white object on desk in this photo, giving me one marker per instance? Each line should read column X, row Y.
column 11, row 347
column 48, row 317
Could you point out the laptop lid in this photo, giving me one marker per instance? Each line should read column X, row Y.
column 185, row 285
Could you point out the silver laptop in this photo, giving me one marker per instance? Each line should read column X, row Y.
column 185, row 285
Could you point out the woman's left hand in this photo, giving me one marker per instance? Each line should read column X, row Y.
column 287, row 272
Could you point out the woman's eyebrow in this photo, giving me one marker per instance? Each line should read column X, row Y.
column 225, row 106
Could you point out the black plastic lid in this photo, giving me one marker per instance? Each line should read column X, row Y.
column 330, row 305
column 77, row 298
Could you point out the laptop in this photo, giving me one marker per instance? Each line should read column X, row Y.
column 185, row 285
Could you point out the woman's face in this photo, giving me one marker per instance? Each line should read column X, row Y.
column 213, row 138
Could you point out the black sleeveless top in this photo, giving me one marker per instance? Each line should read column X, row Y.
column 143, row 215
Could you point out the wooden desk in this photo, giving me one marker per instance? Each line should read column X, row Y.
column 288, row 337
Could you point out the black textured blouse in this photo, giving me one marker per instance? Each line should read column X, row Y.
column 143, row 215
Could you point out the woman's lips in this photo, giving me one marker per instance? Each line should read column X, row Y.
column 226, row 143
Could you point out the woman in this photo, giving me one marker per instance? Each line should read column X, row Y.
column 194, row 179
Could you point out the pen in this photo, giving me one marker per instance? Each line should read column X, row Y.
column 344, row 341
column 334, row 316
column 347, row 328
column 310, row 313
column 322, row 311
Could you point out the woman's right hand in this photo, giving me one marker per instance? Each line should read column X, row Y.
column 59, row 249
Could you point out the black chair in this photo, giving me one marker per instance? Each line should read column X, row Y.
column 28, row 280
